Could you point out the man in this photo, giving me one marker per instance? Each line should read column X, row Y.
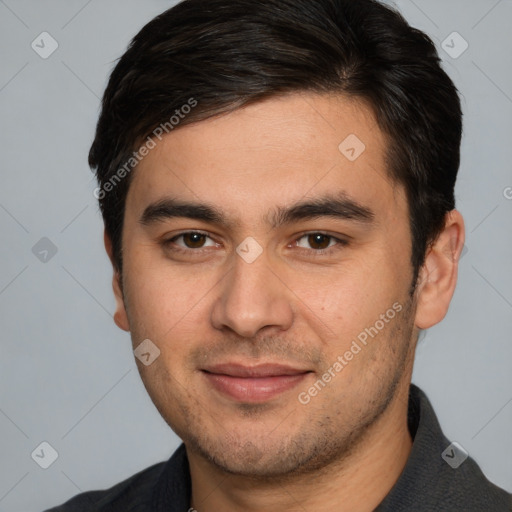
column 277, row 184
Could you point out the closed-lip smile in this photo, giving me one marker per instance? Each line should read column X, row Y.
column 253, row 383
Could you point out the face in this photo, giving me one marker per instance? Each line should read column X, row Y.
column 267, row 257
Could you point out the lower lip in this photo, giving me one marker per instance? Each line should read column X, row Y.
column 253, row 389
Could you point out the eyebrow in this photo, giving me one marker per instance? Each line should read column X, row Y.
column 336, row 206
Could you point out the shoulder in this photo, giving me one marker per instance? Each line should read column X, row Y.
column 130, row 495
column 468, row 485
column 440, row 475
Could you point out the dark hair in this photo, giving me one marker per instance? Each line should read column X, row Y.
column 225, row 54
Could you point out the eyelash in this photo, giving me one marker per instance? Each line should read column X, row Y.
column 312, row 252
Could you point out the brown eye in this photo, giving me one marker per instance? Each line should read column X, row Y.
column 190, row 244
column 194, row 240
column 319, row 241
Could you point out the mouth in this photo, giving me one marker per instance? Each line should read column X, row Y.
column 254, row 384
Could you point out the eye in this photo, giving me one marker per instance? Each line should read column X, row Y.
column 320, row 242
column 191, row 240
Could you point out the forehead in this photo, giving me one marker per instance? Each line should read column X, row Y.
column 270, row 153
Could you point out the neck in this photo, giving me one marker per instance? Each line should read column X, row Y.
column 357, row 484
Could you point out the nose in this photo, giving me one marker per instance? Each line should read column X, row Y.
column 252, row 297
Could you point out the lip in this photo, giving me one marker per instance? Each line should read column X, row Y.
column 259, row 370
column 254, row 384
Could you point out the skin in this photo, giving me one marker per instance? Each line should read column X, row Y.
column 347, row 446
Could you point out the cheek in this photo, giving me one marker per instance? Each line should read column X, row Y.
column 343, row 291
column 164, row 302
column 339, row 304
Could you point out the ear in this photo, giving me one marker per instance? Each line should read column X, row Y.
column 438, row 275
column 120, row 316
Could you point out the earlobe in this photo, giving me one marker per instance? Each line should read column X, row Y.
column 438, row 275
column 120, row 315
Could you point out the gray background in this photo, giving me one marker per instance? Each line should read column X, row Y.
column 67, row 374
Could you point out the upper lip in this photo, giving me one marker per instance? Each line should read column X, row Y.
column 260, row 370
